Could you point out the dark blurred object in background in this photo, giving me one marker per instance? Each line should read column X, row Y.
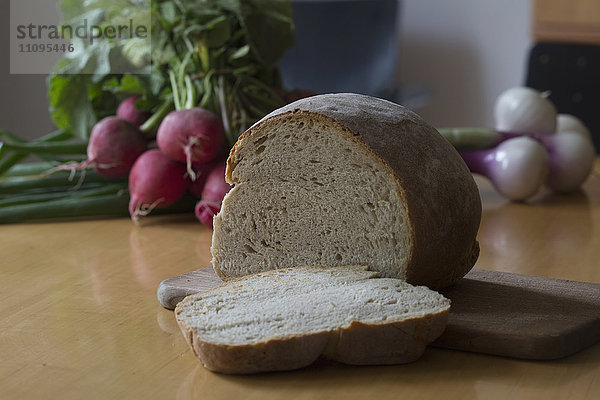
column 571, row 72
column 344, row 46
column 23, row 104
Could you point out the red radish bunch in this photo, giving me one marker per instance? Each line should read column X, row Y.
column 213, row 193
column 114, row 146
column 155, row 181
column 115, row 142
column 193, row 136
column 201, row 171
column 189, row 140
column 130, row 113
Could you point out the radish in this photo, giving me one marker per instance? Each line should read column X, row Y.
column 130, row 113
column 517, row 167
column 155, row 181
column 202, row 171
column 193, row 136
column 114, row 146
column 213, row 193
column 206, row 210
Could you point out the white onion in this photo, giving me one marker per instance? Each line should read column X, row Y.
column 571, row 160
column 570, row 123
column 521, row 166
column 524, row 110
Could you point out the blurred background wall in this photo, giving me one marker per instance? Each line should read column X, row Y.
column 23, row 104
column 467, row 52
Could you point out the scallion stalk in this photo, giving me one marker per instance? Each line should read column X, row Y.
column 58, row 179
column 13, row 158
column 109, row 205
column 25, row 169
column 62, row 147
column 468, row 138
column 39, row 197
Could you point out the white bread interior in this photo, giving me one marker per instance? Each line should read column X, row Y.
column 317, row 199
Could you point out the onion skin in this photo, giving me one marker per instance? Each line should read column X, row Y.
column 525, row 110
column 570, row 158
column 570, row 123
column 571, row 161
column 564, row 142
column 517, row 167
column 571, row 155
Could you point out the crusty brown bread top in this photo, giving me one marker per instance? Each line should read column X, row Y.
column 441, row 198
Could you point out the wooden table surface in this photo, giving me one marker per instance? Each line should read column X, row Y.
column 79, row 316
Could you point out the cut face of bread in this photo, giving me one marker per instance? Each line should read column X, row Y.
column 308, row 197
column 347, row 179
column 287, row 318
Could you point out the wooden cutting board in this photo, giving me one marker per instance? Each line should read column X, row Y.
column 492, row 312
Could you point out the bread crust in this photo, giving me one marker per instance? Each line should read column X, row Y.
column 280, row 354
column 392, row 342
column 441, row 197
column 397, row 342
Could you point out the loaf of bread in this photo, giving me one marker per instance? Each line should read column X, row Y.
column 345, row 179
column 287, row 318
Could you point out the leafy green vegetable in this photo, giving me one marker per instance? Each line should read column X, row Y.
column 275, row 16
column 70, row 107
column 216, row 54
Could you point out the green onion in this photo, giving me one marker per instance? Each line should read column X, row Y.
column 38, row 197
column 110, row 205
column 57, row 179
column 62, row 147
column 34, row 168
column 13, row 158
column 470, row 138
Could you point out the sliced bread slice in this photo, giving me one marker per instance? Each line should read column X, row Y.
column 287, row 318
column 346, row 179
